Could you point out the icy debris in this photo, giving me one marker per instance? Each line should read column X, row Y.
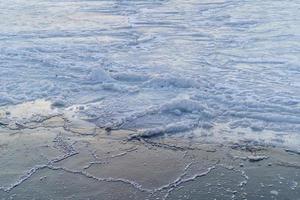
column 119, row 88
column 240, row 123
column 183, row 178
column 33, row 170
column 179, row 106
column 177, row 112
column 254, row 158
column 40, row 118
column 293, row 185
column 61, row 143
column 206, row 125
column 4, row 100
column 274, row 192
column 4, row 122
column 257, row 128
column 63, row 157
column 98, row 75
column 293, row 151
column 43, row 178
column 170, row 128
column 25, row 177
column 165, row 81
column 130, row 77
column 267, row 117
column 58, row 103
column 238, row 86
column 192, row 178
column 289, row 164
column 81, row 107
column 245, row 176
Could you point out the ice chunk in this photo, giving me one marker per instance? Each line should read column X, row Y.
column 256, row 158
column 119, row 88
column 185, row 106
column 171, row 81
column 274, row 192
column 98, row 75
column 58, row 103
column 294, row 151
column 170, row 128
column 130, row 77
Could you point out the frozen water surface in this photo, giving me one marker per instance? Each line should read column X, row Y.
column 158, row 66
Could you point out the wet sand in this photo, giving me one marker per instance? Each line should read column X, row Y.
column 49, row 154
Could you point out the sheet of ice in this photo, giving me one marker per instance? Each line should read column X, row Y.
column 151, row 64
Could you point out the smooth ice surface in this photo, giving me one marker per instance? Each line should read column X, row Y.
column 157, row 65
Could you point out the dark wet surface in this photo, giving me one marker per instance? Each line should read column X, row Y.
column 55, row 158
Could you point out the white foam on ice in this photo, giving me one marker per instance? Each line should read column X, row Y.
column 224, row 64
